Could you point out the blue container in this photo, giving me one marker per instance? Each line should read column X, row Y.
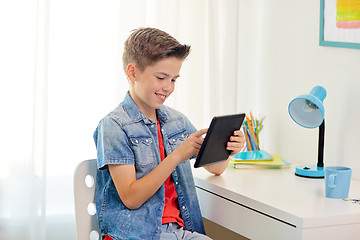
column 337, row 182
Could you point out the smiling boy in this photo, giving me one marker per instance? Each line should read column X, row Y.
column 144, row 186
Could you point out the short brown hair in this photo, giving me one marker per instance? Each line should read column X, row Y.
column 146, row 46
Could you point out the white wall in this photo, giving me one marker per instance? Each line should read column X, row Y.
column 280, row 55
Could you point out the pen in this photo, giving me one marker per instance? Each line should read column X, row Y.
column 247, row 136
column 253, row 134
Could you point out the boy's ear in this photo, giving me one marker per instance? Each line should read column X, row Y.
column 130, row 72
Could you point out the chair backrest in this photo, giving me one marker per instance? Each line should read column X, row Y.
column 84, row 193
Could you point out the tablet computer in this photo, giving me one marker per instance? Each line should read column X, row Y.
column 221, row 129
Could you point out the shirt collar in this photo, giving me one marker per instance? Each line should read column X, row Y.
column 136, row 115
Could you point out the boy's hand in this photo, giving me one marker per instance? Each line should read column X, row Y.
column 191, row 146
column 236, row 143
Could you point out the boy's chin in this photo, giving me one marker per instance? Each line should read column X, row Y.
column 158, row 106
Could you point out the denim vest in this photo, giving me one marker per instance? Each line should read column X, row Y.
column 126, row 136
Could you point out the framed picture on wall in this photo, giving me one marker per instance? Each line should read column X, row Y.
column 340, row 23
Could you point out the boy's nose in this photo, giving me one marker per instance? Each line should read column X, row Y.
column 167, row 86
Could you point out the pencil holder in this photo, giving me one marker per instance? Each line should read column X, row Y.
column 252, row 128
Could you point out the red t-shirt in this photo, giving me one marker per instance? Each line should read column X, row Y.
column 171, row 210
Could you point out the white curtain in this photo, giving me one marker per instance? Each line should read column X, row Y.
column 61, row 72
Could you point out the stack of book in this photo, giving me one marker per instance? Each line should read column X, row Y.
column 259, row 160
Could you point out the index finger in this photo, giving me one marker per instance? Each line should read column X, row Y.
column 200, row 132
column 237, row 133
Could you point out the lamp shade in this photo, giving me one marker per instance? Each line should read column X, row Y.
column 307, row 110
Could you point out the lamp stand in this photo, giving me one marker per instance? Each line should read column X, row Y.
column 311, row 171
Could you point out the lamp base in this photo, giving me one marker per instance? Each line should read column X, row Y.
column 309, row 171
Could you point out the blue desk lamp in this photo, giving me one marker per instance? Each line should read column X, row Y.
column 308, row 111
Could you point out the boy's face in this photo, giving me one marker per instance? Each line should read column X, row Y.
column 151, row 87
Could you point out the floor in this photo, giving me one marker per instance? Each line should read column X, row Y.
column 218, row 232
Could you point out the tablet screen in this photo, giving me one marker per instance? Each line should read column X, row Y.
column 220, row 130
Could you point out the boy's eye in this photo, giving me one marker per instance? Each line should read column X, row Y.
column 160, row 78
column 173, row 80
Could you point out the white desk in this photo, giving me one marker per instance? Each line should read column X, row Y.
column 276, row 204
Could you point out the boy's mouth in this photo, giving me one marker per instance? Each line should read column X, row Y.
column 162, row 97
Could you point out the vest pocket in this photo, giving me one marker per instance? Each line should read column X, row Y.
column 177, row 139
column 143, row 150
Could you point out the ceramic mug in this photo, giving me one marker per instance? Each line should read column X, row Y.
column 337, row 182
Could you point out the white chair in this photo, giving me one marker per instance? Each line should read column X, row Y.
column 84, row 193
